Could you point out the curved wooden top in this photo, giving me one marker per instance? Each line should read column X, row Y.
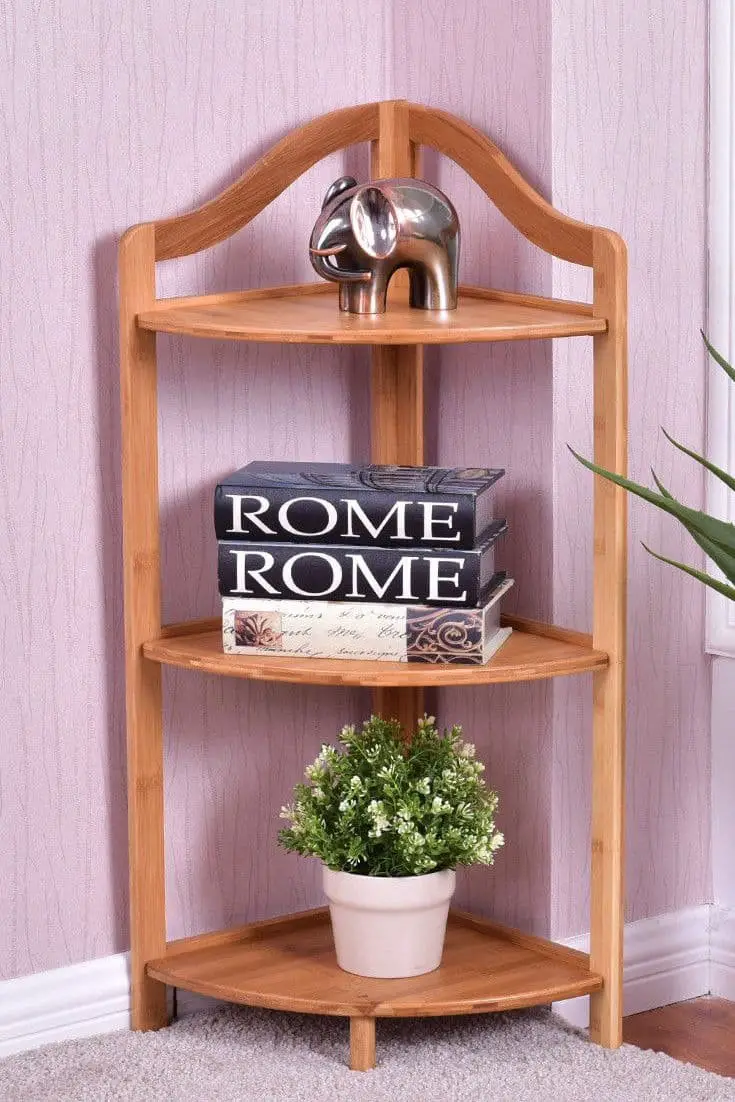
column 309, row 314
column 290, row 964
column 238, row 204
column 526, row 656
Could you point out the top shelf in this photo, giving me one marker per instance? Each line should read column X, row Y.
column 308, row 313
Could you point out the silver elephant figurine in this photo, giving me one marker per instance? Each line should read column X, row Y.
column 365, row 232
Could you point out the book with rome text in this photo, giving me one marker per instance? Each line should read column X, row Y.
column 329, row 572
column 351, row 505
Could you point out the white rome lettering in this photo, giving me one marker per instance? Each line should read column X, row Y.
column 354, row 507
column 435, row 579
column 329, row 509
column 242, row 570
column 239, row 512
column 430, row 520
column 403, row 567
column 288, row 574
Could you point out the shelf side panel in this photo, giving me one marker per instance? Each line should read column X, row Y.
column 609, row 626
column 142, row 584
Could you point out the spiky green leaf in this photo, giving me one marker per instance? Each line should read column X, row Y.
column 717, row 471
column 713, row 583
column 720, row 557
column 718, row 358
column 718, row 531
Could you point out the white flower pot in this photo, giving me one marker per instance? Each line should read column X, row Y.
column 387, row 926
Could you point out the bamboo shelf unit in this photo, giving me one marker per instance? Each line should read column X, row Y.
column 288, row 963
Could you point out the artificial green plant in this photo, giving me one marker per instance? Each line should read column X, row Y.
column 715, row 537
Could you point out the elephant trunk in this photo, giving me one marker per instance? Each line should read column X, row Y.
column 320, row 263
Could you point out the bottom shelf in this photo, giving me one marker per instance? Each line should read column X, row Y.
column 289, row 964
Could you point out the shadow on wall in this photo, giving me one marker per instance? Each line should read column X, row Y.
column 105, row 327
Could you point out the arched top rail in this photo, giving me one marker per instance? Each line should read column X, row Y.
column 514, row 197
column 288, row 159
column 298, row 151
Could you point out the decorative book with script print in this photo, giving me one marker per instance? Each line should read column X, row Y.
column 376, row 632
column 340, row 503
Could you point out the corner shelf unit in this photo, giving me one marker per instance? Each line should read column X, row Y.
column 288, row 963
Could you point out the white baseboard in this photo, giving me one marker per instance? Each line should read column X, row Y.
column 722, row 952
column 667, row 959
column 80, row 1000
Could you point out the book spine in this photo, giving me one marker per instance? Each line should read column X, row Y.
column 378, row 633
column 338, row 516
column 328, row 573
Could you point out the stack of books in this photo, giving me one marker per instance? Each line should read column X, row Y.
column 384, row 563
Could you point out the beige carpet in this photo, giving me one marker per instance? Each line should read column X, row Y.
column 235, row 1054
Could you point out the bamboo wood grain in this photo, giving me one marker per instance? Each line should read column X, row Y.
column 288, row 963
column 514, row 197
column 397, row 381
column 141, row 572
column 484, row 969
column 362, row 1044
column 307, row 315
column 233, row 208
column 525, row 656
column 609, row 626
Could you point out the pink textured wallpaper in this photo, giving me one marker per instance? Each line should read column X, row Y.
column 628, row 141
column 117, row 114
column 491, row 405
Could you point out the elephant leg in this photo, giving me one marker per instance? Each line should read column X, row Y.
column 363, row 298
column 433, row 284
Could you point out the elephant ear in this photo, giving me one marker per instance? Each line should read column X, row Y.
column 374, row 221
column 344, row 183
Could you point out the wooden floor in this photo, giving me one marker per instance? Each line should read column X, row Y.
column 698, row 1032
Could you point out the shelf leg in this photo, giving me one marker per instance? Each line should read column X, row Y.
column 397, row 381
column 404, row 704
column 609, row 619
column 142, row 583
column 362, row 1044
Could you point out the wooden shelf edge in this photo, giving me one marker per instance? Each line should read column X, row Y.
column 288, row 963
column 535, row 651
column 307, row 313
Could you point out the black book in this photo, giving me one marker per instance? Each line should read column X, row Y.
column 333, row 572
column 360, row 506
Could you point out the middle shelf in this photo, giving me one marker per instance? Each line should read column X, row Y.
column 532, row 652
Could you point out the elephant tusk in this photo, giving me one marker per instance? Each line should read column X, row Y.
column 327, row 252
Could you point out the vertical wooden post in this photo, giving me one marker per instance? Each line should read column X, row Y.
column 397, row 395
column 362, row 1044
column 142, row 621
column 609, row 623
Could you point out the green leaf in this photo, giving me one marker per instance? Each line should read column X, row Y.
column 714, row 551
column 718, row 358
column 713, row 583
column 720, row 532
column 717, row 471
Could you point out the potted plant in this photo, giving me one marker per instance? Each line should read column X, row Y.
column 391, row 819
column 715, row 537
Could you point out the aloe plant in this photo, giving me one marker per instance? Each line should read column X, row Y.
column 715, row 537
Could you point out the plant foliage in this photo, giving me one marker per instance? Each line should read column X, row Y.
column 715, row 537
column 382, row 806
